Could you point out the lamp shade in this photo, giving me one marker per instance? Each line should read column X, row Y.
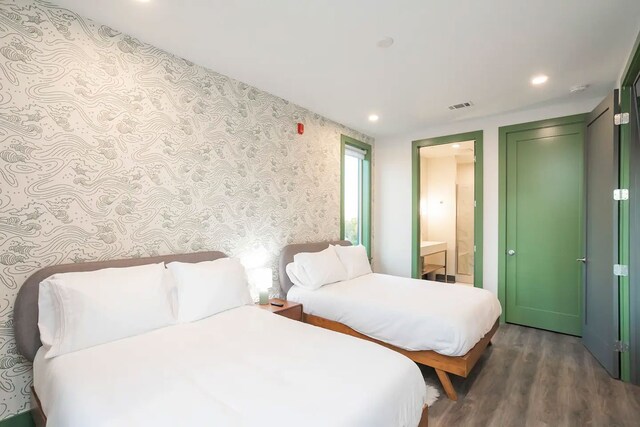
column 263, row 278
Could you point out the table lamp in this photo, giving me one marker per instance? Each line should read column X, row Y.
column 264, row 281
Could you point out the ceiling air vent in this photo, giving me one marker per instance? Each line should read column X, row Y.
column 459, row 106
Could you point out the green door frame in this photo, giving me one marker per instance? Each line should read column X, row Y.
column 415, row 199
column 504, row 132
column 366, row 189
column 632, row 70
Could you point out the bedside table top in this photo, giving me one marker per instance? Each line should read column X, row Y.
column 272, row 308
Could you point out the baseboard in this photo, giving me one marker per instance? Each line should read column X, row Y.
column 21, row 420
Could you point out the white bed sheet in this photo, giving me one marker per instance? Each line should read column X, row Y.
column 408, row 313
column 242, row 367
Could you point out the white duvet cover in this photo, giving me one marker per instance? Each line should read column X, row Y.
column 242, row 367
column 408, row 313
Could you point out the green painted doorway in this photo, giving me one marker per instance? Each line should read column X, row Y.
column 629, row 250
column 542, row 180
column 477, row 137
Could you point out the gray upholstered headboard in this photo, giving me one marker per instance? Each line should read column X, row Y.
column 25, row 312
column 286, row 256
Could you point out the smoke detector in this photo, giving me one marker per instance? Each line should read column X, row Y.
column 385, row 43
column 461, row 105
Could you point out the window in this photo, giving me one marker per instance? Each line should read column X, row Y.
column 353, row 159
column 355, row 218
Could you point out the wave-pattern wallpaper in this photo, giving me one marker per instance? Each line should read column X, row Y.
column 111, row 148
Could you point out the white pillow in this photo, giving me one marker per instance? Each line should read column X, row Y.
column 209, row 287
column 354, row 259
column 169, row 284
column 297, row 277
column 316, row 269
column 84, row 309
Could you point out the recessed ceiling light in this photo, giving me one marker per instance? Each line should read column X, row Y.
column 373, row 117
column 456, row 145
column 538, row 80
column 385, row 42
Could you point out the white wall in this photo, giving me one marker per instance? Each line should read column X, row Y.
column 392, row 210
column 464, row 235
column 439, row 192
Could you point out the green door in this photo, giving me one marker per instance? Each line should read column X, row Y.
column 544, row 241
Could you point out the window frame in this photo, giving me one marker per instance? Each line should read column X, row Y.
column 365, row 199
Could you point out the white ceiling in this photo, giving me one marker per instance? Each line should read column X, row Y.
column 322, row 54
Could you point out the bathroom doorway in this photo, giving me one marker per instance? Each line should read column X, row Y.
column 446, row 212
column 448, row 209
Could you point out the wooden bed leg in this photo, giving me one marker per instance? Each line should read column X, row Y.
column 446, row 384
column 424, row 421
column 489, row 344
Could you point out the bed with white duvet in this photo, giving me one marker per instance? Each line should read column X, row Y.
column 177, row 341
column 408, row 313
column 446, row 327
column 241, row 367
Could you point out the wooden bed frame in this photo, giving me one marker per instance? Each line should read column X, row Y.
column 444, row 365
column 39, row 418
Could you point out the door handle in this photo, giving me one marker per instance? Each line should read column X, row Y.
column 511, row 252
column 582, row 260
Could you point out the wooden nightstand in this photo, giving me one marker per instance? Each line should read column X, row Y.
column 292, row 310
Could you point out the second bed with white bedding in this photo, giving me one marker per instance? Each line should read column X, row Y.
column 408, row 313
column 242, row 367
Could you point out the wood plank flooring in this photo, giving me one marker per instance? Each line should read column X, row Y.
column 530, row 377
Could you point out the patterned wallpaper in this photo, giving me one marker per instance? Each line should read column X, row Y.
column 112, row 148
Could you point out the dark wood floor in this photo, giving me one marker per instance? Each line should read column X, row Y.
column 531, row 377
